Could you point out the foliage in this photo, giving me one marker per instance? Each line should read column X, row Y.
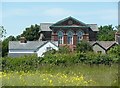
column 64, row 49
column 5, row 45
column 31, row 33
column 106, row 33
column 27, row 63
column 72, row 75
column 115, row 50
column 118, row 28
column 83, row 46
column 2, row 31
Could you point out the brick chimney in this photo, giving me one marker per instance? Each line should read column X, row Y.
column 23, row 40
column 117, row 37
column 86, row 37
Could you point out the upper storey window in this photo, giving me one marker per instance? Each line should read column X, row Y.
column 79, row 36
column 60, row 37
column 70, row 37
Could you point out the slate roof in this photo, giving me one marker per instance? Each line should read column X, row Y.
column 45, row 26
column 94, row 27
column 65, row 19
column 30, row 45
column 104, row 44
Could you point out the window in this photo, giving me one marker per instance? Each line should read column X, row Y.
column 79, row 36
column 60, row 37
column 70, row 38
column 49, row 48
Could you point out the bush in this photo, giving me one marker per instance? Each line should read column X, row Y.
column 84, row 46
column 33, row 62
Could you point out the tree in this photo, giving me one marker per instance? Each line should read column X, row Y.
column 2, row 32
column 83, row 46
column 118, row 28
column 5, row 45
column 115, row 50
column 106, row 33
column 31, row 33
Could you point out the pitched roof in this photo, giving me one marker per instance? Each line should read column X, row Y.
column 104, row 44
column 68, row 18
column 30, row 45
column 45, row 26
column 94, row 27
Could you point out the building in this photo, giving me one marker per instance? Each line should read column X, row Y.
column 102, row 46
column 23, row 47
column 68, row 31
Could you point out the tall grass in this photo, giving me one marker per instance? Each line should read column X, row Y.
column 101, row 75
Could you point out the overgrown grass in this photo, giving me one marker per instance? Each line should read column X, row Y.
column 70, row 75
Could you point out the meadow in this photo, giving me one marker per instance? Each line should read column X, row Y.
column 70, row 75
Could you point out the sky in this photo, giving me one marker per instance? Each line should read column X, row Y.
column 16, row 16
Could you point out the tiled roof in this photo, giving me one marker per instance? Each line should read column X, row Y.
column 105, row 44
column 30, row 45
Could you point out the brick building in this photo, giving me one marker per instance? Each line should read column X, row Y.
column 69, row 31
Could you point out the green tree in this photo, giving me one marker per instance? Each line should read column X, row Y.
column 5, row 45
column 118, row 28
column 31, row 33
column 106, row 33
column 115, row 50
column 83, row 46
column 2, row 32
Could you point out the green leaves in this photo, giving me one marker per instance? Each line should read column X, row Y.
column 31, row 33
column 106, row 33
column 83, row 46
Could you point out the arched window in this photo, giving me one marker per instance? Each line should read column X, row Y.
column 70, row 37
column 79, row 36
column 60, row 37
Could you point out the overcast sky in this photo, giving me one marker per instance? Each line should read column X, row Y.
column 16, row 16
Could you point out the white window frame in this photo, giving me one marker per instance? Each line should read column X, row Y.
column 60, row 38
column 71, row 42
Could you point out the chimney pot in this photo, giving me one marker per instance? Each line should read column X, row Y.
column 23, row 40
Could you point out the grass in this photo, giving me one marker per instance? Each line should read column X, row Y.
column 71, row 75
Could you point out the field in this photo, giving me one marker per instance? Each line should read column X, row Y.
column 72, row 75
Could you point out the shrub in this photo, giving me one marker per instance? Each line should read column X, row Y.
column 83, row 46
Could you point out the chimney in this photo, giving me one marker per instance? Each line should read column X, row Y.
column 23, row 40
column 86, row 37
column 117, row 37
column 41, row 38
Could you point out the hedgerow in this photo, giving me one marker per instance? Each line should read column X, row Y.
column 33, row 62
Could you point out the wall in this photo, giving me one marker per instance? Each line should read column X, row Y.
column 43, row 49
column 97, row 48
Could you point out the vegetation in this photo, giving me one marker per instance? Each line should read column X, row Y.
column 56, row 69
column 106, row 33
column 2, row 32
column 31, row 33
column 84, row 46
column 5, row 45
column 49, row 75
